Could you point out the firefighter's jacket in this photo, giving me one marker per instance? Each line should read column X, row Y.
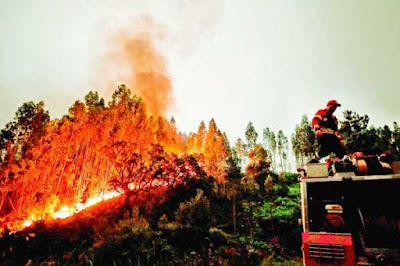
column 325, row 122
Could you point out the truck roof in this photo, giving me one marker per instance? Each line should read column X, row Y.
column 353, row 178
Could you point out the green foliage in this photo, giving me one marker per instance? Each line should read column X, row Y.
column 26, row 129
column 357, row 134
column 269, row 184
column 196, row 221
column 194, row 213
column 303, row 140
column 396, row 141
column 282, row 210
column 291, row 178
column 136, row 225
column 269, row 141
column 283, row 149
column 131, row 238
column 120, row 94
column 232, row 166
column 258, row 167
column 353, row 128
column 240, row 151
column 370, row 140
column 193, row 227
column 93, row 101
column 271, row 261
column 251, row 136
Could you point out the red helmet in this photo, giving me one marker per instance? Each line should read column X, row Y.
column 333, row 102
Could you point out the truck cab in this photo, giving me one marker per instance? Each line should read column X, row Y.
column 349, row 219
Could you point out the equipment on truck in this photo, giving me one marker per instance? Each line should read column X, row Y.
column 352, row 216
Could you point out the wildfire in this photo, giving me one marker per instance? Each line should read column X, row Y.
column 126, row 145
column 67, row 211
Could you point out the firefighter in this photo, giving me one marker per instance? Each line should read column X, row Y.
column 325, row 126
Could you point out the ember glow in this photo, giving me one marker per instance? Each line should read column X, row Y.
column 67, row 211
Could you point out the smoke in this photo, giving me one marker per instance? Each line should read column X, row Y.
column 149, row 78
column 133, row 59
column 131, row 56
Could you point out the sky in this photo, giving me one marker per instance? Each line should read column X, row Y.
column 263, row 61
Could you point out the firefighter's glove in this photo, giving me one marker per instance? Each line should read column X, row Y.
column 342, row 142
column 318, row 133
column 338, row 135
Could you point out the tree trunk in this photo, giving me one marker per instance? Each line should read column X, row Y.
column 3, row 197
column 65, row 163
column 105, row 179
column 234, row 214
column 127, row 203
column 12, row 205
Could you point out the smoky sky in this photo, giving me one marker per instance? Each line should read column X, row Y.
column 268, row 62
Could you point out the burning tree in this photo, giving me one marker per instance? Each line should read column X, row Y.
column 97, row 149
column 126, row 145
column 210, row 149
column 131, row 172
column 68, row 162
column 258, row 167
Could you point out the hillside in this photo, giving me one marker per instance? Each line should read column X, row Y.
column 188, row 224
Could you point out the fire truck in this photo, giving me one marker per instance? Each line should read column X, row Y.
column 348, row 218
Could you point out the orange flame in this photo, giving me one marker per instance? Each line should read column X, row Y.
column 76, row 157
column 68, row 211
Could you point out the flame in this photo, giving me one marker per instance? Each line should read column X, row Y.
column 64, row 212
column 67, row 211
column 28, row 222
column 76, row 157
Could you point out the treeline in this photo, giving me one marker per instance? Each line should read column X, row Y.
column 188, row 199
column 94, row 149
column 99, row 147
column 357, row 132
column 358, row 135
column 275, row 145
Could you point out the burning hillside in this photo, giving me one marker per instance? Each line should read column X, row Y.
column 55, row 168
column 173, row 198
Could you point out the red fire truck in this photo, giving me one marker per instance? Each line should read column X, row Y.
column 350, row 220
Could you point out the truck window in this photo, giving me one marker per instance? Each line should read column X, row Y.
column 370, row 209
column 379, row 204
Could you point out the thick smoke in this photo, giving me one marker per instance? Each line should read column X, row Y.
column 132, row 58
column 148, row 76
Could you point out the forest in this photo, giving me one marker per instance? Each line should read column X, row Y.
column 163, row 197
